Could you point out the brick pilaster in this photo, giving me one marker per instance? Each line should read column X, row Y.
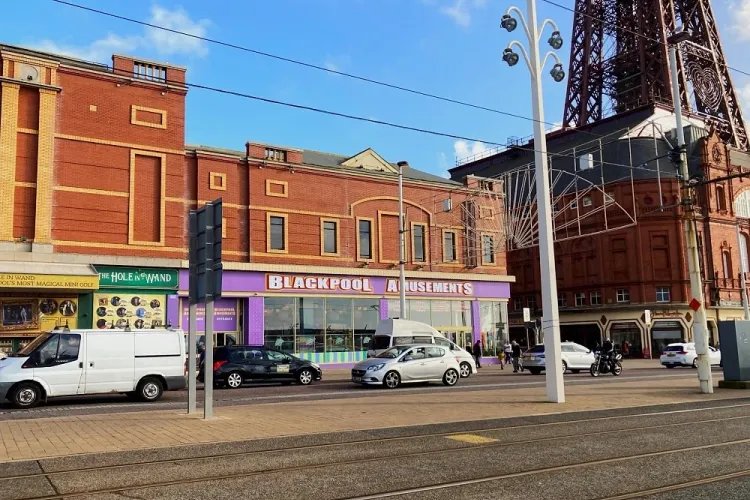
column 8, row 141
column 44, row 170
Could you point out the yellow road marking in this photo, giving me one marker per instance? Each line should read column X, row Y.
column 472, row 438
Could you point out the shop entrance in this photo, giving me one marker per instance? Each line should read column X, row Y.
column 626, row 338
column 664, row 333
column 588, row 335
column 461, row 338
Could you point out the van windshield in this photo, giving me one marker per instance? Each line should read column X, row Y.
column 393, row 353
column 31, row 346
column 380, row 342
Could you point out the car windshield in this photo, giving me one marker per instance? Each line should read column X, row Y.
column 393, row 352
column 380, row 342
column 31, row 346
column 674, row 348
column 536, row 348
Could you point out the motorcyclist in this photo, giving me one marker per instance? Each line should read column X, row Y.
column 608, row 349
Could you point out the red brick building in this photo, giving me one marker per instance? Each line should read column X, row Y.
column 95, row 174
column 620, row 245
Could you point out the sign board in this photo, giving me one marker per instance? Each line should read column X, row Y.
column 526, row 315
column 205, row 252
column 433, row 287
column 695, row 304
column 130, row 277
column 57, row 281
column 647, row 317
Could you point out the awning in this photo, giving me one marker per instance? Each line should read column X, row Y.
column 46, row 275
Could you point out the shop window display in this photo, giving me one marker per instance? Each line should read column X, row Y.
column 492, row 323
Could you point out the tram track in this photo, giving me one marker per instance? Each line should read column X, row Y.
column 51, row 476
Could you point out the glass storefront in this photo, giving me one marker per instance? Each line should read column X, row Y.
column 626, row 338
column 227, row 321
column 492, row 326
column 309, row 326
column 450, row 317
column 664, row 333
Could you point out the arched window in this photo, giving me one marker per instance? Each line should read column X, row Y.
column 742, row 205
column 721, row 199
column 743, row 252
column 726, row 262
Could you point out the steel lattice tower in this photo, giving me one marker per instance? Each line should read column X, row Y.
column 619, row 61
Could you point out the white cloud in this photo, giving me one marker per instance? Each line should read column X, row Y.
column 152, row 39
column 336, row 63
column 741, row 19
column 460, row 11
column 463, row 149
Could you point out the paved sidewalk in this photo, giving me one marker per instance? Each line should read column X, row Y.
column 62, row 436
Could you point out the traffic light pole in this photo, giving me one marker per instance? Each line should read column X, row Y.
column 700, row 326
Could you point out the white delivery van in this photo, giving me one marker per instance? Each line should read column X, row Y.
column 140, row 363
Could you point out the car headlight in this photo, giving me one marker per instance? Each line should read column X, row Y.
column 375, row 368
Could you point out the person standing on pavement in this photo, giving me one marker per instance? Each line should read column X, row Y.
column 516, row 350
column 478, row 353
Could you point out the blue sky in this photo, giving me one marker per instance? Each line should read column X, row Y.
column 447, row 47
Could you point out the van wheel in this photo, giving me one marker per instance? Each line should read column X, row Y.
column 26, row 395
column 150, row 390
column 465, row 370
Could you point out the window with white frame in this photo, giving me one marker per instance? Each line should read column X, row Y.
column 587, row 201
column 531, row 302
column 580, row 299
column 561, row 300
column 574, row 204
column 623, row 295
column 663, row 294
column 596, row 298
column 517, row 303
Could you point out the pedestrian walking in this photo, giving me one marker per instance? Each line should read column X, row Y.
column 516, row 350
column 478, row 353
column 508, row 349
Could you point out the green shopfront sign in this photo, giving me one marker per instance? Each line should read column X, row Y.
column 131, row 277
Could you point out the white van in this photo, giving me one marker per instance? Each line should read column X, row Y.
column 393, row 332
column 140, row 363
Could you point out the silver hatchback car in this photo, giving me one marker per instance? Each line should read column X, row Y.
column 408, row 364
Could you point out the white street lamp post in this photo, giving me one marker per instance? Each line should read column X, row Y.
column 550, row 316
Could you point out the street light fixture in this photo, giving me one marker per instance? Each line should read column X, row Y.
column 550, row 316
column 510, row 57
column 508, row 23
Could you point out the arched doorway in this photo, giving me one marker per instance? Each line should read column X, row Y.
column 664, row 333
column 626, row 337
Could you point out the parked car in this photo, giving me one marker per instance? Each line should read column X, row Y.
column 140, row 363
column 466, row 362
column 237, row 364
column 408, row 364
column 575, row 358
column 683, row 354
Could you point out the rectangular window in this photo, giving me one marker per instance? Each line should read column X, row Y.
column 488, row 249
column 449, row 246
column 275, row 154
column 277, row 233
column 580, row 299
column 418, row 242
column 596, row 298
column 623, row 295
column 574, row 204
column 531, row 302
column 663, row 294
column 365, row 239
column 330, row 237
column 517, row 303
column 561, row 300
column 587, row 201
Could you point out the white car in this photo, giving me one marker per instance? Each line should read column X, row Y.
column 575, row 358
column 408, row 364
column 683, row 354
column 466, row 362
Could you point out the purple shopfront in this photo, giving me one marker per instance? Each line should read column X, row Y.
column 330, row 319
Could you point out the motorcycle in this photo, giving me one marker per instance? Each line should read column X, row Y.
column 606, row 364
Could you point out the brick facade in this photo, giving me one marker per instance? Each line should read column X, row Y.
column 93, row 161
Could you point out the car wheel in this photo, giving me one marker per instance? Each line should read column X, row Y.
column 150, row 390
column 392, row 380
column 695, row 363
column 234, row 380
column 26, row 395
column 305, row 376
column 564, row 367
column 535, row 371
column 451, row 377
column 465, row 370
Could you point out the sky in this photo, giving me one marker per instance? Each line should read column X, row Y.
column 451, row 48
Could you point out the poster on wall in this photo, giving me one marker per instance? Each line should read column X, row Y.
column 119, row 310
column 34, row 314
column 225, row 316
